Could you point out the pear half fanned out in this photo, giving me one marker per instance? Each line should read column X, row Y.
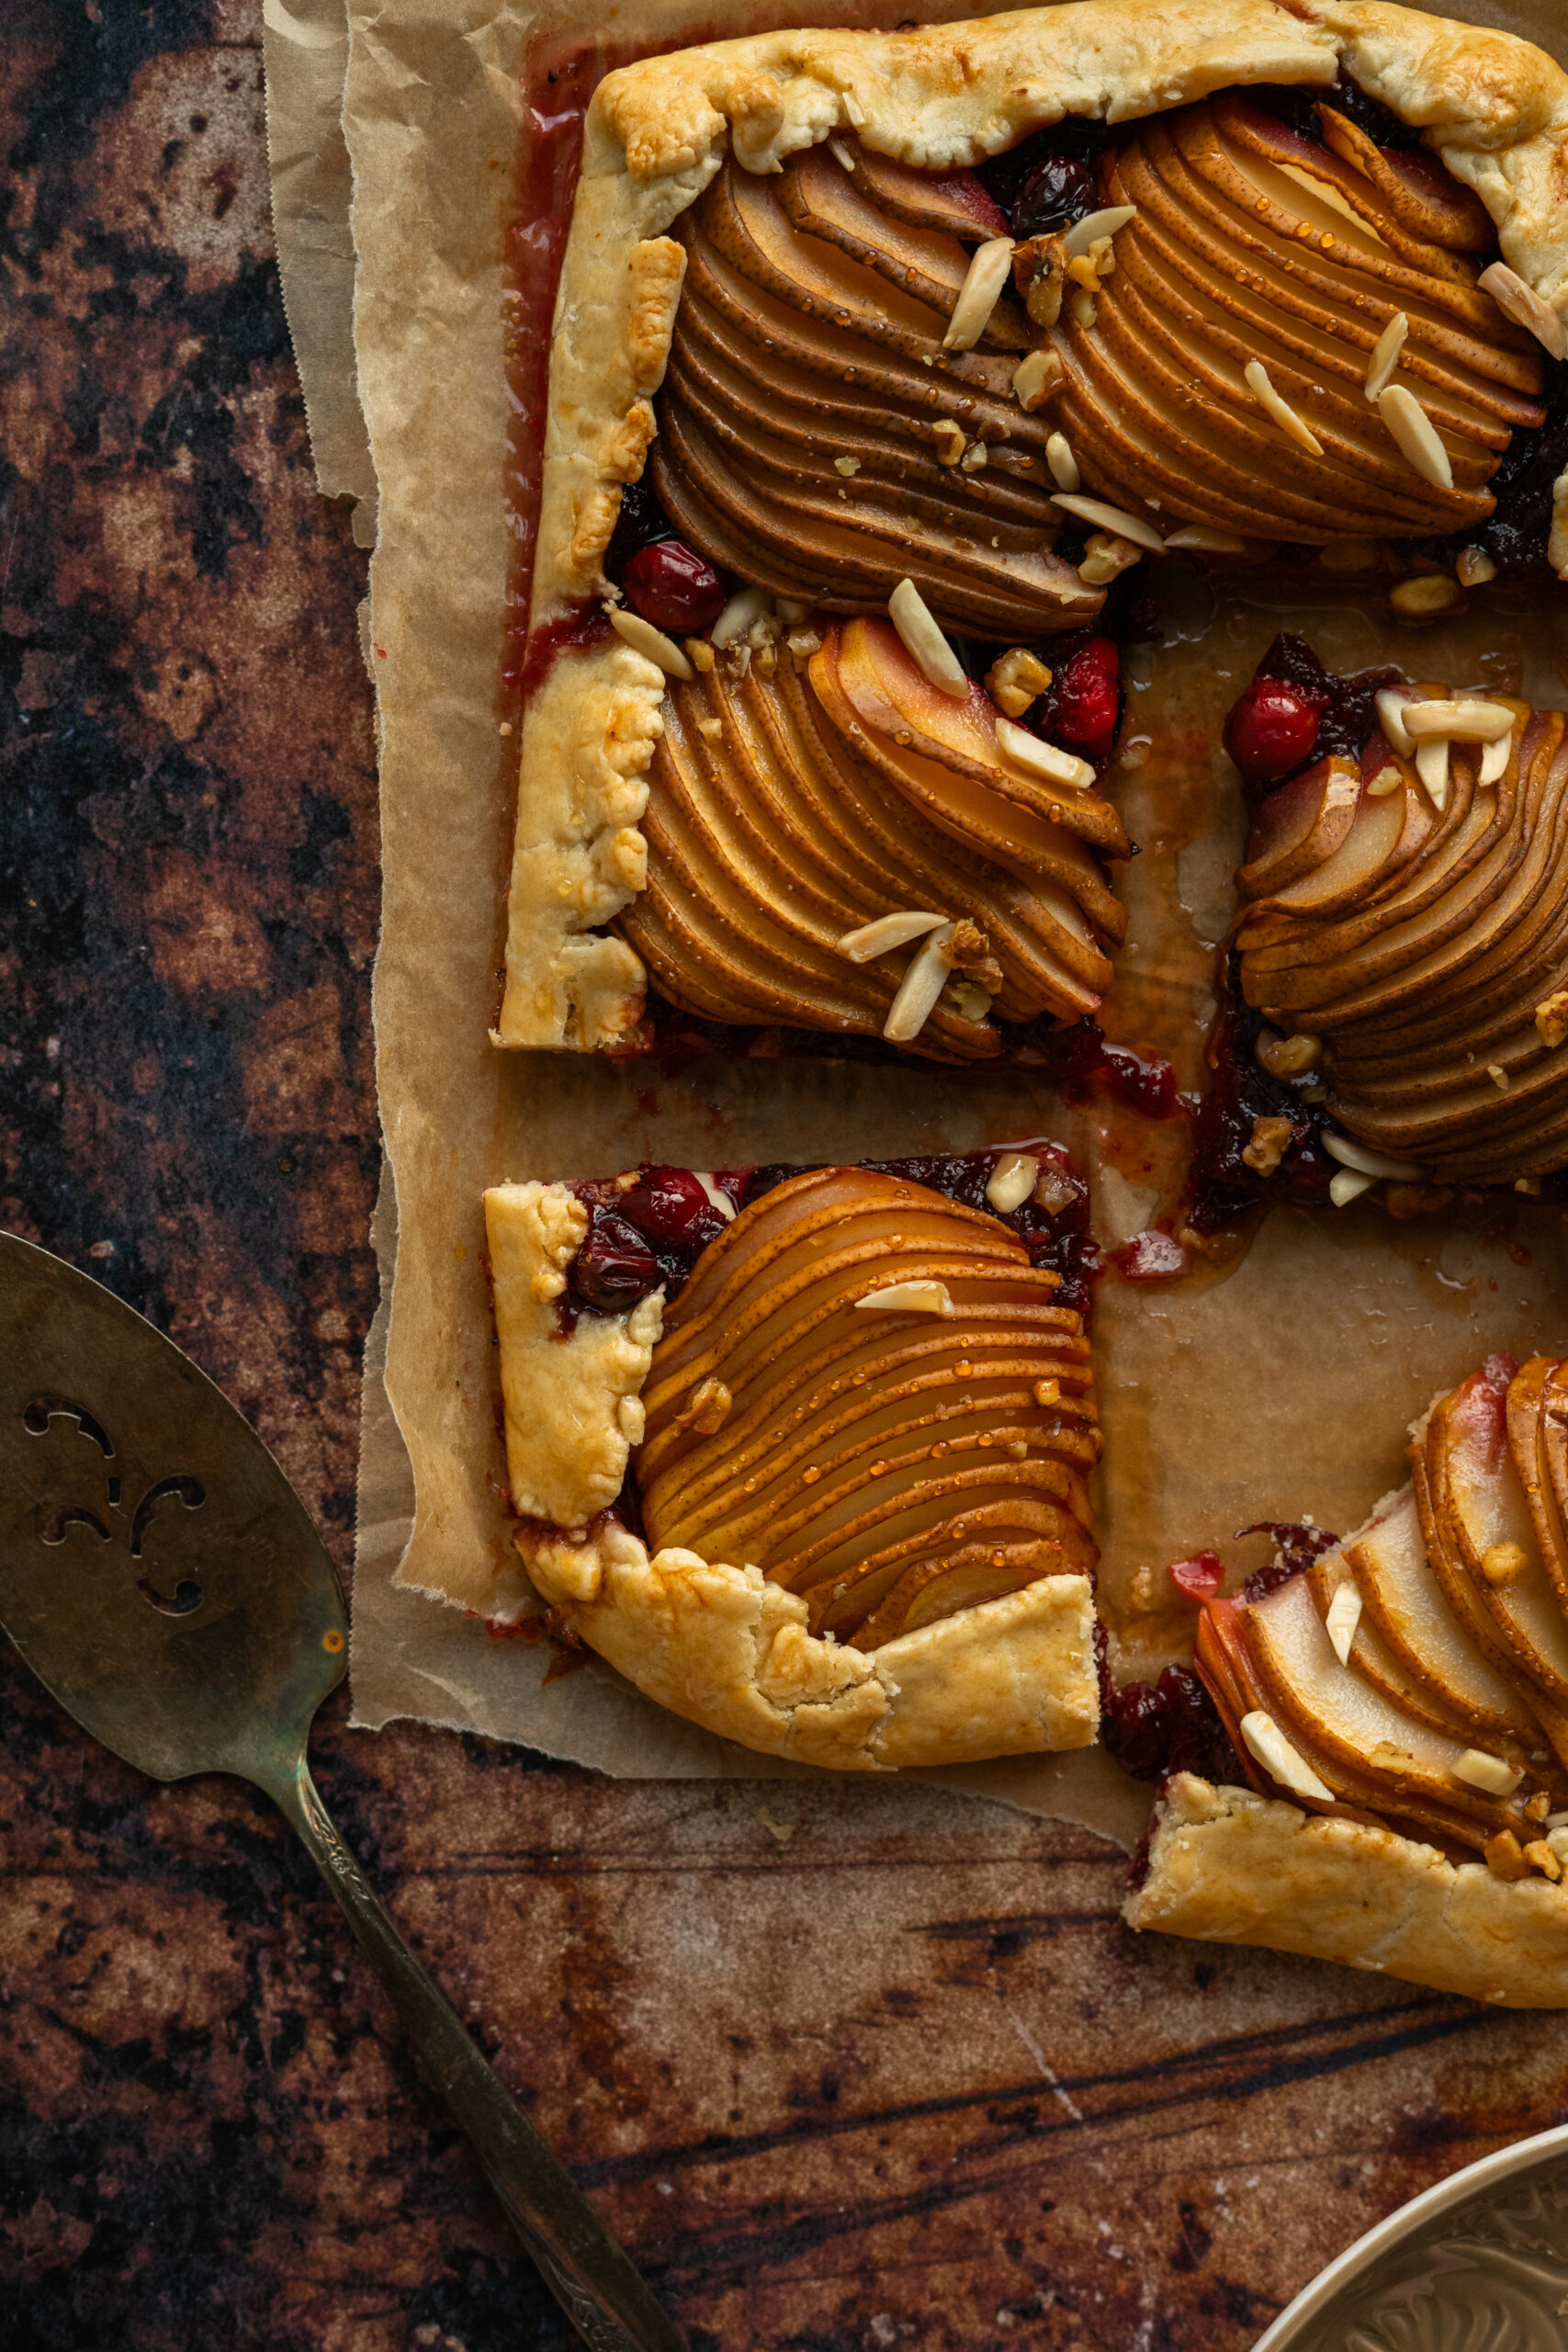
column 1412, row 916
column 786, row 812
column 1435, row 1701
column 893, row 1459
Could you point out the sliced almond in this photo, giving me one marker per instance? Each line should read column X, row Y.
column 1494, row 760
column 745, row 608
column 1063, row 464
column 1351, row 1154
column 1268, row 1744
column 1386, row 356
column 1416, row 436
column 1479, row 1770
column 1011, row 1181
column 843, row 152
column 1390, row 703
column 990, row 267
column 1043, row 759
column 1526, row 308
column 1469, row 721
column 1343, row 1617
column 1279, row 409
column 1425, row 595
column 1110, row 518
column 643, row 638
column 910, row 1298
column 1202, row 540
column 1432, row 767
column 924, row 642
column 1095, row 225
column 921, row 987
column 1348, row 1186
column 887, row 932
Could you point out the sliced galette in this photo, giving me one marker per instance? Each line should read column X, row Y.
column 1397, row 1713
column 805, row 1453
column 881, row 363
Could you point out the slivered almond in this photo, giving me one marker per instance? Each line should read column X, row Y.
column 1063, row 464
column 1043, row 759
column 744, row 609
column 1479, row 1770
column 1416, row 435
column 989, row 269
column 840, row 148
column 921, row 987
column 1348, row 1186
column 1428, row 594
column 1095, row 225
column 910, row 1298
column 1110, row 518
column 887, row 932
column 643, row 638
column 1268, row 1744
column 1468, row 721
column 1351, row 1154
column 1432, row 767
column 1494, row 760
column 1202, row 540
column 1279, row 409
column 1344, row 1616
column 924, row 642
column 1011, row 1181
column 1391, row 702
column 1386, row 356
column 1526, row 308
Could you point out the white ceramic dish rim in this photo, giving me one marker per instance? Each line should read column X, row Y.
column 1287, row 2332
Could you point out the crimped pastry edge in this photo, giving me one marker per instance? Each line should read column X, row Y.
column 716, row 1642
column 1229, row 1866
column 1494, row 108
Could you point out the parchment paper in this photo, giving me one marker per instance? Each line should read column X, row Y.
column 1272, row 1389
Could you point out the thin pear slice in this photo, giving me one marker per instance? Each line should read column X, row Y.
column 1552, row 1476
column 1484, row 1507
column 1344, row 875
column 1356, row 1726
column 1300, row 827
column 1406, row 1604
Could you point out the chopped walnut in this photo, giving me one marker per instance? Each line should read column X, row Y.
column 1106, row 557
column 1270, row 1141
column 1289, row 1056
column 709, row 1407
column 1085, row 309
column 1038, row 272
column 973, row 457
column 1015, row 680
column 1552, row 1020
column 1103, row 255
column 803, row 643
column 699, row 654
column 710, row 729
column 1502, row 1564
column 969, row 951
column 949, row 440
column 1036, row 377
column 1082, row 272
column 1541, row 1854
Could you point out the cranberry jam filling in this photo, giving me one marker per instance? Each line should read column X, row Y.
column 650, row 1228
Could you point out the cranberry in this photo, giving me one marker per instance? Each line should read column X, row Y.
column 615, row 1268
column 1273, row 729
column 673, row 586
column 669, row 1208
column 1057, row 191
column 1199, row 1578
column 1145, row 1082
column 1171, row 1725
column 1087, row 698
column 1296, row 1546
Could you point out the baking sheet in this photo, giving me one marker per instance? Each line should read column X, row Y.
column 1274, row 1388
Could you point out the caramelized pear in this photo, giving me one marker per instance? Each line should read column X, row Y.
column 892, row 1464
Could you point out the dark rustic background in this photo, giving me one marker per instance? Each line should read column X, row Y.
column 850, row 2068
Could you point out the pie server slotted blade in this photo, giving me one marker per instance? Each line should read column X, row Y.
column 162, row 1577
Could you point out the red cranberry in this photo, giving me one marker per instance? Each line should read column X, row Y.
column 1200, row 1578
column 673, row 586
column 1087, row 698
column 1145, row 1082
column 1057, row 190
column 669, row 1208
column 1273, row 729
column 1171, row 1725
column 615, row 1268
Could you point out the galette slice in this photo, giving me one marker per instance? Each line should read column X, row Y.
column 1398, row 988
column 805, row 1453
column 1399, row 1709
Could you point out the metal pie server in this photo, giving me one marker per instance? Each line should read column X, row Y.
column 162, row 1577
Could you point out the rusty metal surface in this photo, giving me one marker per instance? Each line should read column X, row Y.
column 848, row 2067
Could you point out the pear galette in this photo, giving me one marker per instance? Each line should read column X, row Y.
column 1399, row 983
column 857, row 1411
column 1398, row 1706
column 881, row 361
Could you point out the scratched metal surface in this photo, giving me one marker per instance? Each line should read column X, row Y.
column 848, row 2067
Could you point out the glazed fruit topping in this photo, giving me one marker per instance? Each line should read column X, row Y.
column 672, row 1209
column 1057, row 190
column 673, row 586
column 1273, row 729
column 1155, row 1728
column 1085, row 707
column 614, row 1267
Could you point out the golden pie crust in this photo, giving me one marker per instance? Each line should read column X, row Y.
column 714, row 1641
column 1229, row 1866
column 1494, row 110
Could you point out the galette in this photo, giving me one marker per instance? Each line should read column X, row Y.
column 805, row 1453
column 1390, row 1788
column 882, row 364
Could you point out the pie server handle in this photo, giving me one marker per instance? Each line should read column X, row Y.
column 591, row 2277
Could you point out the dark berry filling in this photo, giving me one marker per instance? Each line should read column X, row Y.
column 1082, row 706
column 1155, row 1728
column 1296, row 1546
column 1222, row 1190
